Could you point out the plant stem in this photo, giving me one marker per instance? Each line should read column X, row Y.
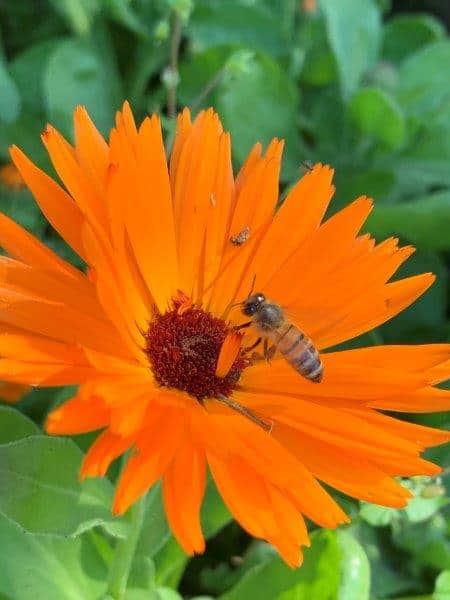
column 124, row 552
column 209, row 87
column 175, row 41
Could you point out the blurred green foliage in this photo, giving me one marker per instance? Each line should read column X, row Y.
column 346, row 83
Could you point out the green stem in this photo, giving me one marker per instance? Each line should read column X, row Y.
column 124, row 552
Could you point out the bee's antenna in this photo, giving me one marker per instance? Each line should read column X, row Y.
column 249, row 294
column 245, row 412
column 235, row 304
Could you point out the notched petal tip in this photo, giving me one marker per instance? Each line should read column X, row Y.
column 228, row 353
column 47, row 132
column 80, row 111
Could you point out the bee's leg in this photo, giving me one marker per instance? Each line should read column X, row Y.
column 242, row 326
column 253, row 346
column 269, row 352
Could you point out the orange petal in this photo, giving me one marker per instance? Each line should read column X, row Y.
column 183, row 490
column 12, row 392
column 228, row 353
column 153, row 239
column 182, row 132
column 37, row 349
column 77, row 415
column 193, row 186
column 64, row 160
column 428, row 399
column 107, row 447
column 22, row 245
column 304, row 206
column 57, row 206
column 349, row 472
column 155, row 450
column 43, row 374
column 91, row 149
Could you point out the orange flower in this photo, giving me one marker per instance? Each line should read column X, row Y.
column 309, row 6
column 12, row 392
column 10, row 177
column 142, row 332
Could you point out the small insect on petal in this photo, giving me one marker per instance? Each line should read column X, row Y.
column 241, row 237
column 228, row 353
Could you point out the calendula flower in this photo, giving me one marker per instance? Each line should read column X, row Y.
column 10, row 177
column 309, row 6
column 149, row 332
column 12, row 392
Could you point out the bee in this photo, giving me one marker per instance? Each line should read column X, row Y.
column 273, row 326
column 241, row 237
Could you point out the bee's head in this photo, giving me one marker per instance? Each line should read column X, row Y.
column 252, row 304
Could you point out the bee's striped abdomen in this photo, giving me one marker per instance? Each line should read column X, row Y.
column 299, row 351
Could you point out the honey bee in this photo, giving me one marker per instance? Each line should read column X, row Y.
column 273, row 326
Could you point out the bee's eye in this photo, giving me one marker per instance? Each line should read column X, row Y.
column 250, row 308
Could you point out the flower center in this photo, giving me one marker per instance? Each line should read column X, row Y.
column 183, row 347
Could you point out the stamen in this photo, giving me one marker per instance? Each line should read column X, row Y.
column 184, row 345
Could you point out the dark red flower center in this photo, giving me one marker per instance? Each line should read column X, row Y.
column 183, row 347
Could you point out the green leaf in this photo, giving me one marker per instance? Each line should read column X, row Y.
column 319, row 66
column 423, row 221
column 425, row 318
column 442, row 587
column 351, row 183
column 424, row 88
column 354, row 30
column 327, row 124
column 25, row 133
column 27, row 70
column 355, row 568
column 39, row 487
column 78, row 14
column 377, row 114
column 156, row 540
column 165, row 593
column 37, row 567
column 21, row 207
column 405, row 34
column 155, row 531
column 78, row 74
column 426, row 541
column 318, row 577
column 377, row 516
column 420, row 509
column 390, row 577
column 170, row 563
column 9, row 96
column 214, row 514
column 255, row 26
column 122, row 12
column 275, row 115
column 14, row 425
column 201, row 75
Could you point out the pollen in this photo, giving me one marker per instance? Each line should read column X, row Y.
column 183, row 348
